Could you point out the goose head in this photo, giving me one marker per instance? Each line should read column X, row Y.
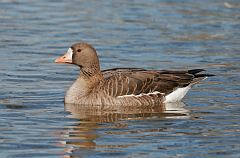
column 80, row 54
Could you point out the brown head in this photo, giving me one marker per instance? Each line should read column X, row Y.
column 82, row 55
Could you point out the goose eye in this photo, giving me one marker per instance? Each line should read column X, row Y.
column 79, row 50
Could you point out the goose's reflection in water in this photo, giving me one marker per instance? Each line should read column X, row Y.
column 92, row 123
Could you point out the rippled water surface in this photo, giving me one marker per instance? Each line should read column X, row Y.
column 149, row 34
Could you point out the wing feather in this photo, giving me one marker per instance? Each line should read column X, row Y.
column 127, row 81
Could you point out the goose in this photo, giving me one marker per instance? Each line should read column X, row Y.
column 124, row 86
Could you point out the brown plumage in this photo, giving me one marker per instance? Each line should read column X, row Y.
column 124, row 86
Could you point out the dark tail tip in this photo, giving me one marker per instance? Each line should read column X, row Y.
column 196, row 71
column 203, row 75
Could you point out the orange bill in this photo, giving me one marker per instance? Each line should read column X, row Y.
column 66, row 58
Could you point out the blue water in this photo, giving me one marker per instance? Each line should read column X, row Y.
column 149, row 34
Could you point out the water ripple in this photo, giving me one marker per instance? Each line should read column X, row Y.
column 34, row 122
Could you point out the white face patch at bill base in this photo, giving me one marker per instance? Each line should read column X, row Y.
column 69, row 54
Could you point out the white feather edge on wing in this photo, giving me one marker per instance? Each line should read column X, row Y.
column 175, row 96
column 139, row 95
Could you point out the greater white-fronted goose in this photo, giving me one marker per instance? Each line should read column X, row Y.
column 124, row 86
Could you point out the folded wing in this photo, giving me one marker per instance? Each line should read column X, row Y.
column 134, row 81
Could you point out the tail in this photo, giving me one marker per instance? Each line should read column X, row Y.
column 198, row 76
